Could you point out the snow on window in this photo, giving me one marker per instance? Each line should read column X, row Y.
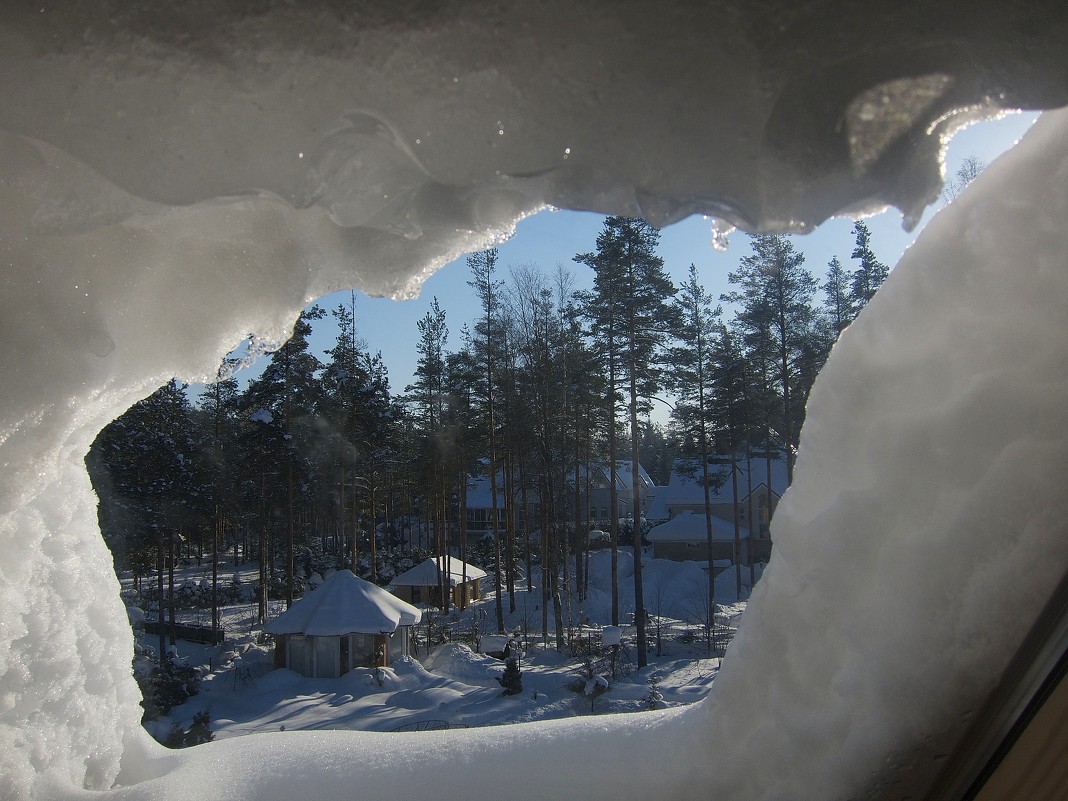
column 128, row 258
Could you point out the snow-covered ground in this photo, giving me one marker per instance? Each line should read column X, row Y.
column 450, row 685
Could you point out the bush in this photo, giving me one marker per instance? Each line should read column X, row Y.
column 166, row 686
column 512, row 680
column 199, row 732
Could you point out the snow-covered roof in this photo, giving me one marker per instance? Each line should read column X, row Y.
column 691, row 527
column 479, row 495
column 345, row 604
column 425, row 574
column 684, row 489
column 599, row 475
column 623, row 474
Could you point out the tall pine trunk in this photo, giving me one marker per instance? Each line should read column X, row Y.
column 636, row 511
column 613, row 496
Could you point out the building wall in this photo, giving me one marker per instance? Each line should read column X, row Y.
column 330, row 657
column 754, row 513
column 462, row 594
column 479, row 521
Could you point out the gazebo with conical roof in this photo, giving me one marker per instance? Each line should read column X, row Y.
column 343, row 623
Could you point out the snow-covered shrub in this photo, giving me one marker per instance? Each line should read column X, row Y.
column 590, row 680
column 655, row 698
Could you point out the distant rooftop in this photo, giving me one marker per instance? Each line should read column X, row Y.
column 684, row 489
column 426, row 573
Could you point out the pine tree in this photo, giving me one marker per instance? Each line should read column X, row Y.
column 632, row 292
column 734, row 414
column 377, row 433
column 775, row 320
column 427, row 399
column 361, row 436
column 287, row 396
column 488, row 338
column 151, row 485
column 343, row 379
column 463, row 431
column 219, row 406
column 693, row 370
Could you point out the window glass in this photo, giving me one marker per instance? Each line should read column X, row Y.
column 327, row 651
column 297, row 657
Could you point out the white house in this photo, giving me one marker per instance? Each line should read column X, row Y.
column 343, row 623
column 597, row 504
column 759, row 486
column 479, row 513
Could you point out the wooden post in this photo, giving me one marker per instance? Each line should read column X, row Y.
column 382, row 647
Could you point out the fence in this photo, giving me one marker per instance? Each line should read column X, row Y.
column 187, row 632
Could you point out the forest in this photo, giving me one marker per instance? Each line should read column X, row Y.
column 317, row 462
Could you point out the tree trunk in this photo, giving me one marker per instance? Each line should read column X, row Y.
column 160, row 617
column 509, row 529
column 170, row 588
column 215, row 575
column 636, row 511
column 613, row 497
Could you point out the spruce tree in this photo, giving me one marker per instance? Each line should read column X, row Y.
column 512, row 679
column 837, row 302
column 871, row 272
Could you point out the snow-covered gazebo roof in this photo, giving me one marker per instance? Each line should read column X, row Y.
column 345, row 604
column 425, row 574
column 691, row 527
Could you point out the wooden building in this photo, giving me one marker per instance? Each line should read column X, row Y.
column 423, row 583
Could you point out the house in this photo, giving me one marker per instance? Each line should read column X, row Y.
column 479, row 514
column 597, row 504
column 684, row 538
column 760, row 484
column 343, row 623
column 594, row 487
column 422, row 584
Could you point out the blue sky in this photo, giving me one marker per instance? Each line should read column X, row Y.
column 554, row 237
